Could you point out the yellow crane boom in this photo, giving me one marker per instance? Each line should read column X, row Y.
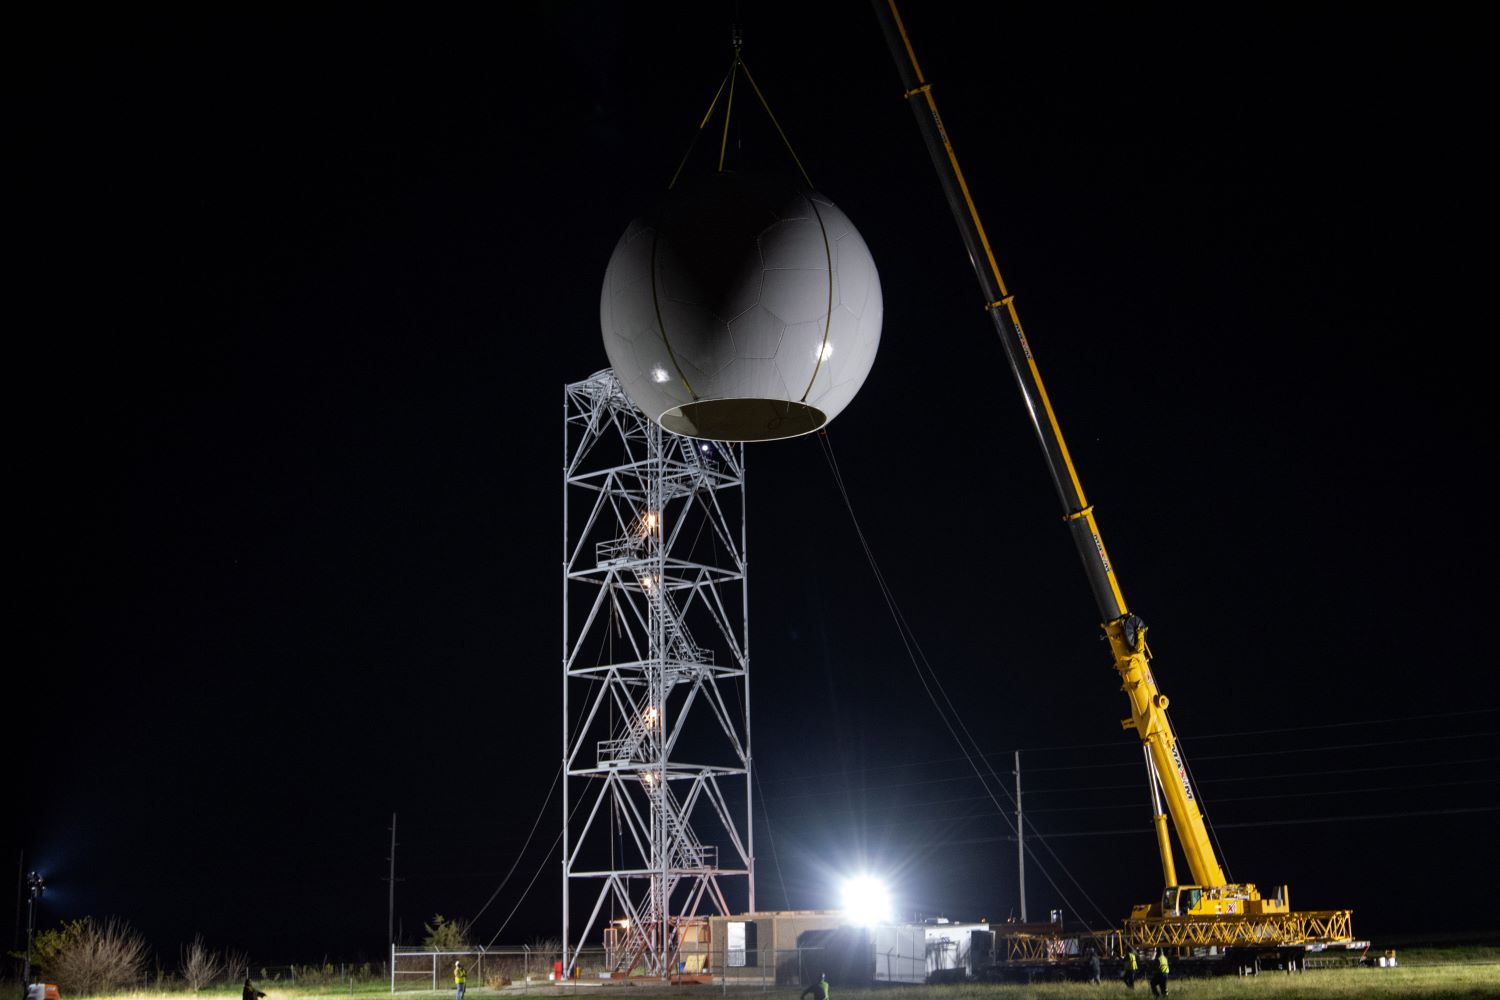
column 1210, row 910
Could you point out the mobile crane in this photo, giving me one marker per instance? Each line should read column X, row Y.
column 1209, row 911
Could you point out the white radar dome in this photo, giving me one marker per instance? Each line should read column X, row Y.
column 741, row 310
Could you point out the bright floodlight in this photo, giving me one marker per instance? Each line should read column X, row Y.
column 866, row 901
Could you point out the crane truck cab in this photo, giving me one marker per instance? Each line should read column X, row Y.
column 1205, row 901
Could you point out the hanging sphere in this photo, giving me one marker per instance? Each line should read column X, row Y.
column 741, row 310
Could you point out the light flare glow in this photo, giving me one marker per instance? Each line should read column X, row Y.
column 866, row 901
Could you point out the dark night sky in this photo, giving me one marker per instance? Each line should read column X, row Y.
column 295, row 295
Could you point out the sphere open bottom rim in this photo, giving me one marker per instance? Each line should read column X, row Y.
column 743, row 419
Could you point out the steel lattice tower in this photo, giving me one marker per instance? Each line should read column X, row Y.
column 656, row 708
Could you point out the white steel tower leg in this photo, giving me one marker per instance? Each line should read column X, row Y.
column 656, row 706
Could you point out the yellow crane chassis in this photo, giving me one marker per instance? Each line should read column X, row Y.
column 1310, row 927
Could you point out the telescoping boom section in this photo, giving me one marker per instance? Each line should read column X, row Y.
column 1210, row 910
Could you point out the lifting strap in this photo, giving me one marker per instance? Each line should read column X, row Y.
column 736, row 66
column 726, row 91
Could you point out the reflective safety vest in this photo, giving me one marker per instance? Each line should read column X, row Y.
column 1161, row 962
column 459, row 976
column 1130, row 962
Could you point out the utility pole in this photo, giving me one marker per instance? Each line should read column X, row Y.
column 1020, row 843
column 390, row 924
column 20, row 892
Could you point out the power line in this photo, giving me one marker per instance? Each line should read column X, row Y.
column 958, row 800
column 1345, row 725
column 948, row 779
column 1144, row 830
column 1356, row 770
column 1125, row 744
column 1348, row 746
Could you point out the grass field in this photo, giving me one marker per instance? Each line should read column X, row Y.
column 1468, row 973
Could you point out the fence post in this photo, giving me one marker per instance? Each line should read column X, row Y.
column 393, row 967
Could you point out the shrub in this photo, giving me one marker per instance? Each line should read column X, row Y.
column 45, row 947
column 98, row 957
column 236, row 964
column 549, row 949
column 199, row 965
column 445, row 935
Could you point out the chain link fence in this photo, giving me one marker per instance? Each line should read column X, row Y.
column 519, row 969
column 491, row 968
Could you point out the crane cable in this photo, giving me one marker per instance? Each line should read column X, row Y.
column 1203, row 809
column 919, row 662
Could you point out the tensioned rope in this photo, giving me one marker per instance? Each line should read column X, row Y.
column 522, row 852
column 952, row 720
column 527, row 891
column 607, row 637
column 786, row 900
column 539, row 868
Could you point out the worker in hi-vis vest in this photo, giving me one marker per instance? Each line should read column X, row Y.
column 1159, row 981
column 460, row 978
column 817, row 990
